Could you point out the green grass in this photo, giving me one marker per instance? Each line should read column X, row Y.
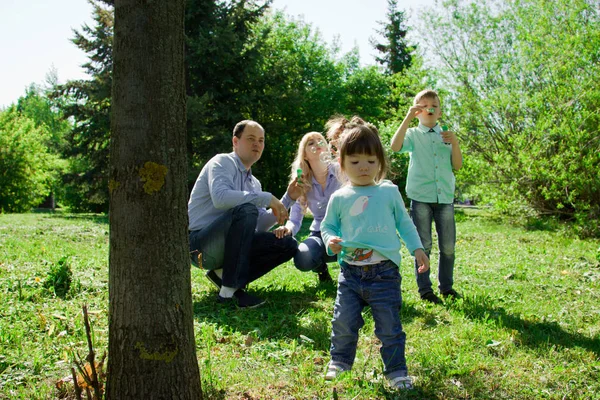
column 527, row 328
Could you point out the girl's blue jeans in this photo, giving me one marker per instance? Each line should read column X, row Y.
column 423, row 214
column 377, row 286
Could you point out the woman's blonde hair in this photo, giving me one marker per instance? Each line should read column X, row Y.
column 300, row 162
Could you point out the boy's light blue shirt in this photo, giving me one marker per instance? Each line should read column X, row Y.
column 370, row 217
column 430, row 178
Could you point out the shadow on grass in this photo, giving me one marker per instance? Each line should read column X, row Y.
column 98, row 218
column 533, row 334
column 279, row 318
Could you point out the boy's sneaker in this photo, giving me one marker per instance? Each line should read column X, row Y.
column 214, row 278
column 241, row 299
column 402, row 382
column 431, row 297
column 451, row 295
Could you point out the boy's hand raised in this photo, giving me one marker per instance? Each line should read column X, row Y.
column 422, row 261
column 415, row 110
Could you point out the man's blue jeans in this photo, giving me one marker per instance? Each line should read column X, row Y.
column 232, row 243
column 311, row 255
column 378, row 286
column 423, row 214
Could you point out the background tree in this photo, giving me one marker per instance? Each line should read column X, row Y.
column 221, row 58
column 48, row 118
column 87, row 103
column 523, row 77
column 396, row 53
column 151, row 334
column 26, row 164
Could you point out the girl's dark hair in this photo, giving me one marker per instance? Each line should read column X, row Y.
column 360, row 137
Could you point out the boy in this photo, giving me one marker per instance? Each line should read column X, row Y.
column 430, row 186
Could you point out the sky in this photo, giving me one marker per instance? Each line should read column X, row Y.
column 35, row 34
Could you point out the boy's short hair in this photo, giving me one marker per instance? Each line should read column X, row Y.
column 427, row 93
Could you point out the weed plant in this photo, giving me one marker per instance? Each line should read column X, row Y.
column 528, row 326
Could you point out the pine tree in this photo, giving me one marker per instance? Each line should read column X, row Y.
column 87, row 102
column 396, row 53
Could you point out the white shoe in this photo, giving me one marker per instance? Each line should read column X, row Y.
column 333, row 370
column 402, row 382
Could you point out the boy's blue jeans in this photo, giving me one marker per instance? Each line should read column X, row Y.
column 311, row 255
column 378, row 286
column 232, row 243
column 423, row 214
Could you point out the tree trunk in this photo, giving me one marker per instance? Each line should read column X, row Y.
column 151, row 350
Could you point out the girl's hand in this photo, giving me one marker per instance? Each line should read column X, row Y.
column 422, row 261
column 281, row 231
column 334, row 244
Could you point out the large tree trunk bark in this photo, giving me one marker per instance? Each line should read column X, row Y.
column 151, row 335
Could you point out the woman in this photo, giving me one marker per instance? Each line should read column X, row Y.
column 319, row 180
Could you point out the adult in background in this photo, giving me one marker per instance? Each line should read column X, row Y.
column 320, row 178
column 229, row 221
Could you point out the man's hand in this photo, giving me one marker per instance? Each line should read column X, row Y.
column 334, row 244
column 422, row 261
column 281, row 231
column 295, row 189
column 279, row 210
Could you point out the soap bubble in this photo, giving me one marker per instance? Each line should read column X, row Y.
column 325, row 157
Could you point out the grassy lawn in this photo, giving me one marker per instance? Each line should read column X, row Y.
column 527, row 328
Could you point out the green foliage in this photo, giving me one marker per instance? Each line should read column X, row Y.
column 396, row 53
column 221, row 62
column 87, row 102
column 523, row 77
column 25, row 162
column 60, row 277
column 47, row 115
column 246, row 65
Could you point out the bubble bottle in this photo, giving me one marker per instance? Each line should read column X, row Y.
column 445, row 129
column 299, row 174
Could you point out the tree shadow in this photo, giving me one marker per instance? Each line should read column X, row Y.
column 534, row 334
column 279, row 318
column 97, row 218
column 283, row 314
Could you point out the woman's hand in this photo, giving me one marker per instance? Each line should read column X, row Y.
column 281, row 231
column 295, row 189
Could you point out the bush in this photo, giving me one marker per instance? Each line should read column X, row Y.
column 60, row 277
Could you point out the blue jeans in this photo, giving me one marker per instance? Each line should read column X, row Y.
column 232, row 243
column 311, row 255
column 423, row 214
column 378, row 286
